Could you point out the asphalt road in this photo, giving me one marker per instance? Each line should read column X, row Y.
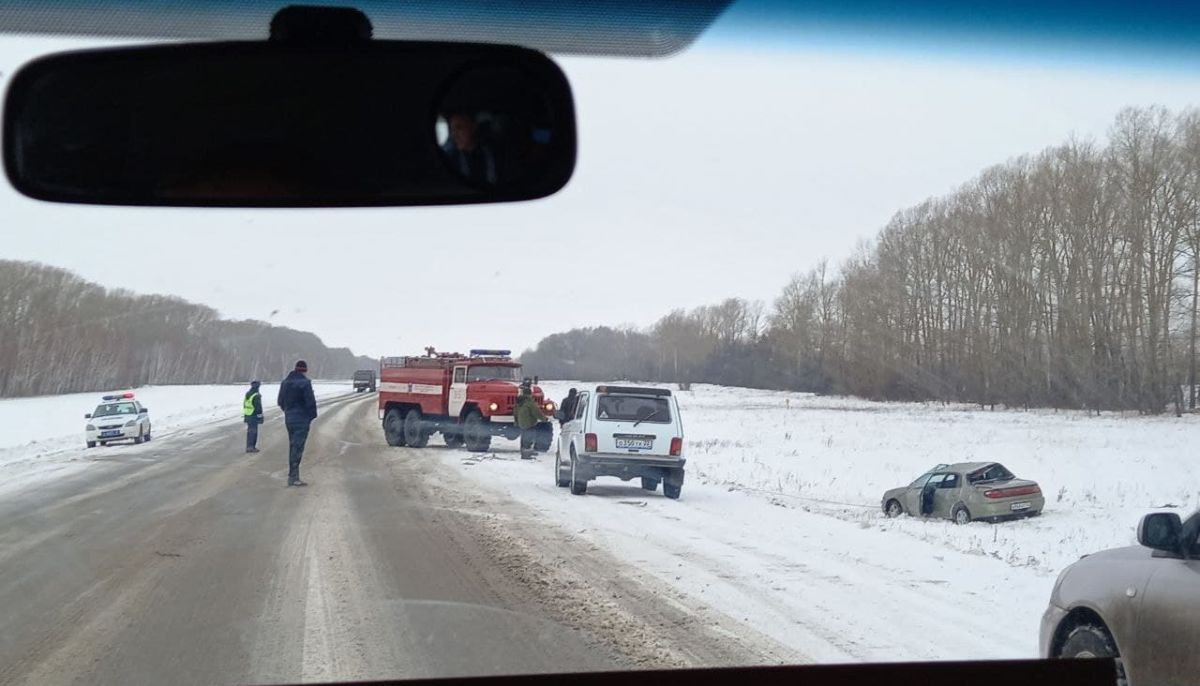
column 188, row 561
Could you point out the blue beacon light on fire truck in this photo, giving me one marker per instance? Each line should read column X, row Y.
column 480, row 352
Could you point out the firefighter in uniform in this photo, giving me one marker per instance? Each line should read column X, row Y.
column 527, row 415
column 252, row 414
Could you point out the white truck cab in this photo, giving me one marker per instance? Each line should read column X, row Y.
column 118, row 417
column 622, row 431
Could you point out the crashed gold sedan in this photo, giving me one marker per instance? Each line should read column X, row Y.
column 964, row 492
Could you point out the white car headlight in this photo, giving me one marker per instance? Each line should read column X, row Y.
column 90, row 427
column 131, row 422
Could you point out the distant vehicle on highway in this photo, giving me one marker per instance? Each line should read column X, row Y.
column 622, row 431
column 1139, row 604
column 118, row 417
column 364, row 380
column 966, row 491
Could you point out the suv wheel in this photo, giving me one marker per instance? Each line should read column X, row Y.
column 893, row 508
column 414, row 429
column 649, row 484
column 578, row 486
column 558, row 471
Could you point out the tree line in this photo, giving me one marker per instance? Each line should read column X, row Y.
column 1066, row 278
column 62, row 334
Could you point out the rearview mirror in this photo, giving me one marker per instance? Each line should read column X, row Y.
column 144, row 410
column 87, row 416
column 1160, row 531
column 290, row 124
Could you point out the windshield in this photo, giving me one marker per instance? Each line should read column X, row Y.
column 114, row 408
column 492, row 372
column 852, row 240
column 633, row 408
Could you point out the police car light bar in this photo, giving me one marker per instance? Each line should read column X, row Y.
column 119, row 396
column 490, row 353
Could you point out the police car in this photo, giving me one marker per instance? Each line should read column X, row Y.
column 118, row 418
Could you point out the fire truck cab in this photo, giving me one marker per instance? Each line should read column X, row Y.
column 466, row 398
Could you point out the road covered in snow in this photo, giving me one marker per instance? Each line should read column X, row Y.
column 780, row 528
column 42, row 437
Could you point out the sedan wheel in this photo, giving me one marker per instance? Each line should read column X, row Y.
column 961, row 515
column 893, row 508
column 1091, row 641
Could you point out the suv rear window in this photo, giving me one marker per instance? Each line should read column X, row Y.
column 631, row 408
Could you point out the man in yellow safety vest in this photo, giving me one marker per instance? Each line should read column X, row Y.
column 252, row 413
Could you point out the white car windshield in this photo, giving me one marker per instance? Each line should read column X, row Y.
column 108, row 409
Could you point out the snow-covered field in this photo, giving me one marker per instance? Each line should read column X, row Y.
column 43, row 436
column 780, row 526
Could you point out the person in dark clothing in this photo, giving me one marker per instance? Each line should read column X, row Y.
column 299, row 410
column 252, row 414
column 567, row 407
column 467, row 151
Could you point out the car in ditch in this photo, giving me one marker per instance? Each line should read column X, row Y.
column 964, row 492
column 623, row 431
column 1137, row 605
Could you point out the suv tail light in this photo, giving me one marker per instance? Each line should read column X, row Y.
column 590, row 444
column 676, row 446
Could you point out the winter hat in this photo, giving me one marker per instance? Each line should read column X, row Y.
column 255, row 384
column 302, row 366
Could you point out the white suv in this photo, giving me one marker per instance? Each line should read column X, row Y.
column 118, row 418
column 625, row 432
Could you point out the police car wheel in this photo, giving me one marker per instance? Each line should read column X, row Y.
column 138, row 439
column 91, row 444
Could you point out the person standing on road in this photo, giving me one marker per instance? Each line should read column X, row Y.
column 252, row 414
column 566, row 409
column 299, row 410
column 527, row 415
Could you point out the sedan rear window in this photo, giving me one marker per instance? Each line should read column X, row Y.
column 995, row 472
column 631, row 408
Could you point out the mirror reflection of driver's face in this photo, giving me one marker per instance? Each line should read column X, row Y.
column 462, row 131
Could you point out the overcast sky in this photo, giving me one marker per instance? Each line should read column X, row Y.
column 712, row 174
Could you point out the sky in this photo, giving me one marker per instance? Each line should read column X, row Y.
column 716, row 173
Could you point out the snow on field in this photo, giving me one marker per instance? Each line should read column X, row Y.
column 44, row 435
column 780, row 524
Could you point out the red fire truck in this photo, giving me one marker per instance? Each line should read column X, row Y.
column 466, row 398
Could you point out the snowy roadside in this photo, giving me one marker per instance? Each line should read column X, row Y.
column 42, row 437
column 779, row 525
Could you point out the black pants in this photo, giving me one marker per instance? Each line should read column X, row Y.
column 527, row 438
column 251, row 434
column 297, row 437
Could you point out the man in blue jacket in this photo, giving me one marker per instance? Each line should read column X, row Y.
column 299, row 410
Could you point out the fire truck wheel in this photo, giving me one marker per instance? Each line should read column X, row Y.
column 393, row 428
column 453, row 439
column 476, row 434
column 414, row 429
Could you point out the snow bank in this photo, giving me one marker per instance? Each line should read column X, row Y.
column 780, row 523
column 44, row 435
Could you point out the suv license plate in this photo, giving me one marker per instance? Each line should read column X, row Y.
column 635, row 444
column 1020, row 506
